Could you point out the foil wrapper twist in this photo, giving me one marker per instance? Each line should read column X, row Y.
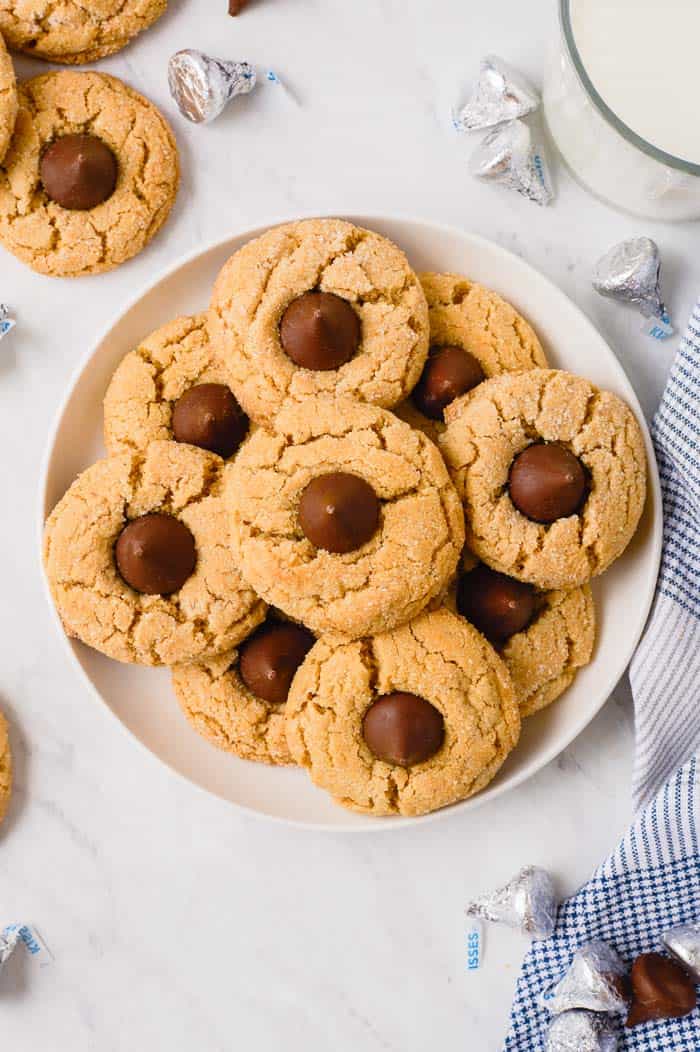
column 202, row 86
column 7, row 322
column 596, row 980
column 527, row 902
column 509, row 155
column 581, row 1031
column 683, row 943
column 631, row 273
column 9, row 938
column 501, row 94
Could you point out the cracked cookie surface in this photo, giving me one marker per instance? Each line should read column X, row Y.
column 72, row 31
column 259, row 282
column 212, row 611
column 487, row 428
column 149, row 380
column 69, row 243
column 219, row 706
column 5, row 768
column 441, row 658
column 464, row 314
column 391, row 578
column 8, row 99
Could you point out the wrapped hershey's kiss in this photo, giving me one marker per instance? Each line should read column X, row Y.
column 581, row 1031
column 7, row 322
column 596, row 980
column 631, row 273
column 527, row 902
column 683, row 943
column 203, row 86
column 501, row 94
column 510, row 156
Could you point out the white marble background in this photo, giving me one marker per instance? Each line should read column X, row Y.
column 175, row 922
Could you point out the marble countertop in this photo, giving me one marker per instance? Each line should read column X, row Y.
column 176, row 922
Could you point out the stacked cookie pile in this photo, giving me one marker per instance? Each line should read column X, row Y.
column 357, row 514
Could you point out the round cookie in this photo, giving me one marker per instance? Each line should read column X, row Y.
column 73, row 31
column 8, row 99
column 208, row 614
column 440, row 658
column 69, row 241
column 263, row 279
column 150, row 380
column 489, row 428
column 405, row 563
column 5, row 768
column 464, row 314
column 220, row 707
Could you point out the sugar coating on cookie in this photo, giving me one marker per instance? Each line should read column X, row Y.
column 438, row 657
column 5, row 768
column 261, row 280
column 72, row 31
column 407, row 562
column 66, row 242
column 219, row 706
column 147, row 383
column 544, row 658
column 489, row 427
column 212, row 611
column 8, row 99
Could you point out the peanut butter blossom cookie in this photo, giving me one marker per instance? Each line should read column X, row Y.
column 173, row 387
column 5, row 768
column 543, row 637
column 8, row 99
column 138, row 559
column 72, row 30
column 344, row 517
column 315, row 307
column 551, row 472
column 90, row 175
column 238, row 701
column 406, row 721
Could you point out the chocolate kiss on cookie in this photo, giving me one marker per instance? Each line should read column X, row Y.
column 155, row 554
column 661, row 989
column 320, row 331
column 448, row 373
column 208, row 416
column 403, row 728
column 499, row 606
column 339, row 512
column 79, row 172
column 268, row 660
column 547, row 482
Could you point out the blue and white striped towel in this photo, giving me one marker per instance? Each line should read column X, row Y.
column 652, row 879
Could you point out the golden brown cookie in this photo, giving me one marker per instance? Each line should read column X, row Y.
column 68, row 242
column 150, row 379
column 468, row 315
column 440, row 658
column 488, row 428
column 73, row 31
column 258, row 284
column 8, row 99
column 208, row 614
column 407, row 561
column 5, row 768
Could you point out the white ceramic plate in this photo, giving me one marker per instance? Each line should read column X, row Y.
column 141, row 698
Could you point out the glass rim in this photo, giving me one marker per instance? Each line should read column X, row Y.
column 609, row 115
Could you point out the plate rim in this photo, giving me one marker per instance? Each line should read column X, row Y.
column 366, row 823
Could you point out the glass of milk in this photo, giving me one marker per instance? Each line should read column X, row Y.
column 621, row 102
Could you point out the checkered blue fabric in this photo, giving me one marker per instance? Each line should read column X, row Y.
column 652, row 879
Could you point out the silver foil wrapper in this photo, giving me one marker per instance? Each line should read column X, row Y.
column 510, row 156
column 9, row 938
column 501, row 94
column 7, row 322
column 683, row 943
column 581, row 1031
column 631, row 273
column 202, row 86
column 527, row 902
column 595, row 980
